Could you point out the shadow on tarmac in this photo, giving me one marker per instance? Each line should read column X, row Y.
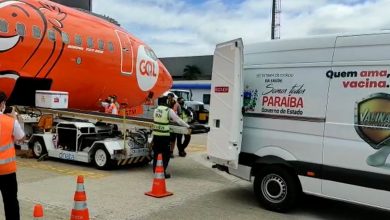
column 93, row 167
column 309, row 207
column 333, row 209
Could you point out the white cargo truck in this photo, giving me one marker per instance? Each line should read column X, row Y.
column 304, row 115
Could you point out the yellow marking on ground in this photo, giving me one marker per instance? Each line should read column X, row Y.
column 60, row 169
column 196, row 148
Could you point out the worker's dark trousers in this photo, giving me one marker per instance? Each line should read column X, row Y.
column 161, row 145
column 9, row 191
column 182, row 145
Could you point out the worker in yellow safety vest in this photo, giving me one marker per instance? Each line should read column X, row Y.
column 172, row 103
column 10, row 131
column 185, row 116
column 161, row 134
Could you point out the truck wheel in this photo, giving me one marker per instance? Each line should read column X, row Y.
column 38, row 148
column 102, row 158
column 276, row 188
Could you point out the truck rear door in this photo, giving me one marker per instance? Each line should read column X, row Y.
column 226, row 119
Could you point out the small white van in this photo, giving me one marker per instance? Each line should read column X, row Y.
column 304, row 115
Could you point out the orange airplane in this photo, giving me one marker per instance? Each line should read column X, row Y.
column 48, row 46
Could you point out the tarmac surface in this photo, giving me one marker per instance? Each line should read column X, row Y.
column 200, row 192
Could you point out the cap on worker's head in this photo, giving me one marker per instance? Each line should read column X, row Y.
column 3, row 97
column 171, row 95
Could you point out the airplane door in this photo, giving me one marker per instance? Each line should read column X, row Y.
column 226, row 119
column 126, row 53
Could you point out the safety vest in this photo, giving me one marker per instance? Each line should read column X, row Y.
column 184, row 116
column 111, row 109
column 7, row 149
column 161, row 121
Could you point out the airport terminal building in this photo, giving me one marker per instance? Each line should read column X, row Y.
column 176, row 66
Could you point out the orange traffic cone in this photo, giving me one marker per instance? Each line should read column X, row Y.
column 159, row 189
column 80, row 210
column 38, row 212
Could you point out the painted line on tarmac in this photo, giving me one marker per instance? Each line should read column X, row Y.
column 61, row 169
column 196, row 148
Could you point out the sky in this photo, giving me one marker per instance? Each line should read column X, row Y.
column 193, row 27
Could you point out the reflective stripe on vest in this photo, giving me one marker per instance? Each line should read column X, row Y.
column 5, row 161
column 161, row 121
column 7, row 149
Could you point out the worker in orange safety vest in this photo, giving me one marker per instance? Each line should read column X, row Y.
column 110, row 106
column 10, row 131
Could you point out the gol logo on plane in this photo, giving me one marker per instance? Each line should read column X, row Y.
column 147, row 69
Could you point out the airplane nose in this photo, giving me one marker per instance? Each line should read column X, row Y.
column 164, row 81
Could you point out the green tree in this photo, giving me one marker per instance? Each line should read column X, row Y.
column 191, row 72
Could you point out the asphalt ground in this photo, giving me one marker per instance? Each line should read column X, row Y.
column 200, row 192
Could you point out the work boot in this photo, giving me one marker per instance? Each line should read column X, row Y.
column 167, row 175
column 182, row 154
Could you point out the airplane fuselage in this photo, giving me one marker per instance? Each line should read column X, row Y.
column 44, row 44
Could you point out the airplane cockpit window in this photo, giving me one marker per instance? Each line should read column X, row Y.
column 101, row 44
column 150, row 53
column 52, row 35
column 36, row 32
column 78, row 40
column 3, row 26
column 110, row 46
column 65, row 38
column 21, row 29
column 90, row 42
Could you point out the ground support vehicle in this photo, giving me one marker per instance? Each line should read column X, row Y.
column 199, row 113
column 89, row 137
column 305, row 115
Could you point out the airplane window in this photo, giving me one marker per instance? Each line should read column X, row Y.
column 101, row 45
column 37, row 32
column 52, row 35
column 110, row 46
column 90, row 42
column 65, row 38
column 78, row 40
column 154, row 56
column 150, row 53
column 20, row 29
column 3, row 26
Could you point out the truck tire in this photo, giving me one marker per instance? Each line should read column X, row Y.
column 102, row 158
column 276, row 188
column 38, row 148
